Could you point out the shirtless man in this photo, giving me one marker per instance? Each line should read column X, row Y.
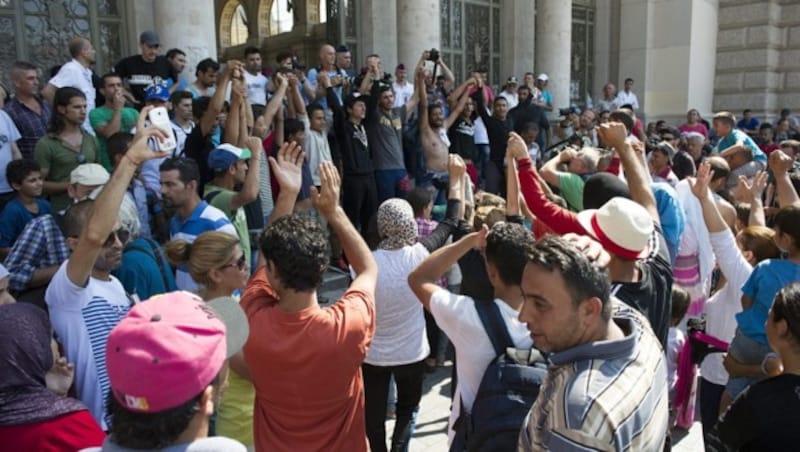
column 434, row 125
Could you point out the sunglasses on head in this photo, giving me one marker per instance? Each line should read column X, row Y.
column 241, row 263
column 120, row 234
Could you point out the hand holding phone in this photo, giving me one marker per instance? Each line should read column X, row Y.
column 159, row 117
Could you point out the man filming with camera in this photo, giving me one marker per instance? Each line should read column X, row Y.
column 577, row 126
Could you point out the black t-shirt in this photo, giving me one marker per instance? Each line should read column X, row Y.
column 530, row 112
column 764, row 418
column 462, row 139
column 139, row 75
column 652, row 294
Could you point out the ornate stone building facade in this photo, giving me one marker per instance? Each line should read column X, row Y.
column 704, row 54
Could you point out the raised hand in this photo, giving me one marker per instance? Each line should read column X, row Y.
column 515, row 147
column 287, row 168
column 699, row 184
column 326, row 200
column 613, row 134
column 755, row 188
column 779, row 162
column 456, row 167
column 591, row 248
column 138, row 151
column 59, row 378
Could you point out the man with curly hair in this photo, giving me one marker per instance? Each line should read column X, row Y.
column 305, row 361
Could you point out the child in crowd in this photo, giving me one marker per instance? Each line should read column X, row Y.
column 676, row 337
column 749, row 345
column 529, row 133
column 25, row 177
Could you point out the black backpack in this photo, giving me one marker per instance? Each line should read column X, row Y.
column 507, row 391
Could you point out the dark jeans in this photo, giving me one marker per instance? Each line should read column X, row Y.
column 409, row 379
column 710, row 396
column 388, row 183
column 359, row 200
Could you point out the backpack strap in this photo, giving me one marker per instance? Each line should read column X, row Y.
column 494, row 325
column 211, row 195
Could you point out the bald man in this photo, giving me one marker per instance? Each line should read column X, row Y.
column 337, row 76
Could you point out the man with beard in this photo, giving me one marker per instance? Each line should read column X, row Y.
column 85, row 301
column 193, row 216
column 206, row 79
column 529, row 111
column 77, row 74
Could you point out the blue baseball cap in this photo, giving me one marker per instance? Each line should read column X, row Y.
column 226, row 155
column 156, row 92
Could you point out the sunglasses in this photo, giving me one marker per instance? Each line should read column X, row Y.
column 120, row 234
column 241, row 263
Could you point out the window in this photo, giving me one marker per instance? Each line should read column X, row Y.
column 281, row 19
column 239, row 32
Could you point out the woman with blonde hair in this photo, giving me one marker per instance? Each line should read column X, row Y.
column 216, row 261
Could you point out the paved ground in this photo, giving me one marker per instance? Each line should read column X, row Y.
column 434, row 412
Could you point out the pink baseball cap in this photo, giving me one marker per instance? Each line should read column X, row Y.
column 168, row 349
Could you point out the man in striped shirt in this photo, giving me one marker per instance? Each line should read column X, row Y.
column 605, row 389
column 193, row 216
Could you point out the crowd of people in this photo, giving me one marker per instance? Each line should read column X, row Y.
column 592, row 278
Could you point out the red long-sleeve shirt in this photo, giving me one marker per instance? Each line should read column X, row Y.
column 559, row 220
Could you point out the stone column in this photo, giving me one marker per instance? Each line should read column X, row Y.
column 188, row 25
column 554, row 47
column 418, row 29
column 517, row 27
column 378, row 31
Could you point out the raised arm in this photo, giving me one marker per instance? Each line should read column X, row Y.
column 780, row 164
column 234, row 119
column 249, row 190
column 276, row 102
column 287, row 169
column 422, row 96
column 104, row 212
column 614, row 134
column 449, row 78
column 550, row 172
column 459, row 107
column 480, row 103
column 326, row 201
column 295, row 98
column 755, row 195
column 699, row 185
column 455, row 205
column 232, row 69
column 560, row 220
column 422, row 280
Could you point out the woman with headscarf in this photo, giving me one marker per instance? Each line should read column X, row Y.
column 32, row 416
column 400, row 345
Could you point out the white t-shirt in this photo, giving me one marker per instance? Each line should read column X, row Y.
column 481, row 135
column 511, row 98
column 8, row 134
column 457, row 317
column 180, row 135
column 82, row 319
column 627, row 98
column 402, row 93
column 75, row 75
column 400, row 336
column 317, row 149
column 256, row 88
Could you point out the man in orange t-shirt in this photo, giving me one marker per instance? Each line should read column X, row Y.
column 305, row 361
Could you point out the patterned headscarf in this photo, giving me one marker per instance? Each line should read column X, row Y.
column 396, row 224
column 25, row 358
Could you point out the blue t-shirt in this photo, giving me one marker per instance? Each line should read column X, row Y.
column 14, row 217
column 736, row 136
column 766, row 280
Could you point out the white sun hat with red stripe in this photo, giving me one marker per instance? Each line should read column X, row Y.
column 622, row 226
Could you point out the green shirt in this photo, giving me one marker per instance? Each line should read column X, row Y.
column 101, row 116
column 59, row 161
column 571, row 187
column 222, row 201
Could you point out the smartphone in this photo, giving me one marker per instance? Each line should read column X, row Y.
column 159, row 117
